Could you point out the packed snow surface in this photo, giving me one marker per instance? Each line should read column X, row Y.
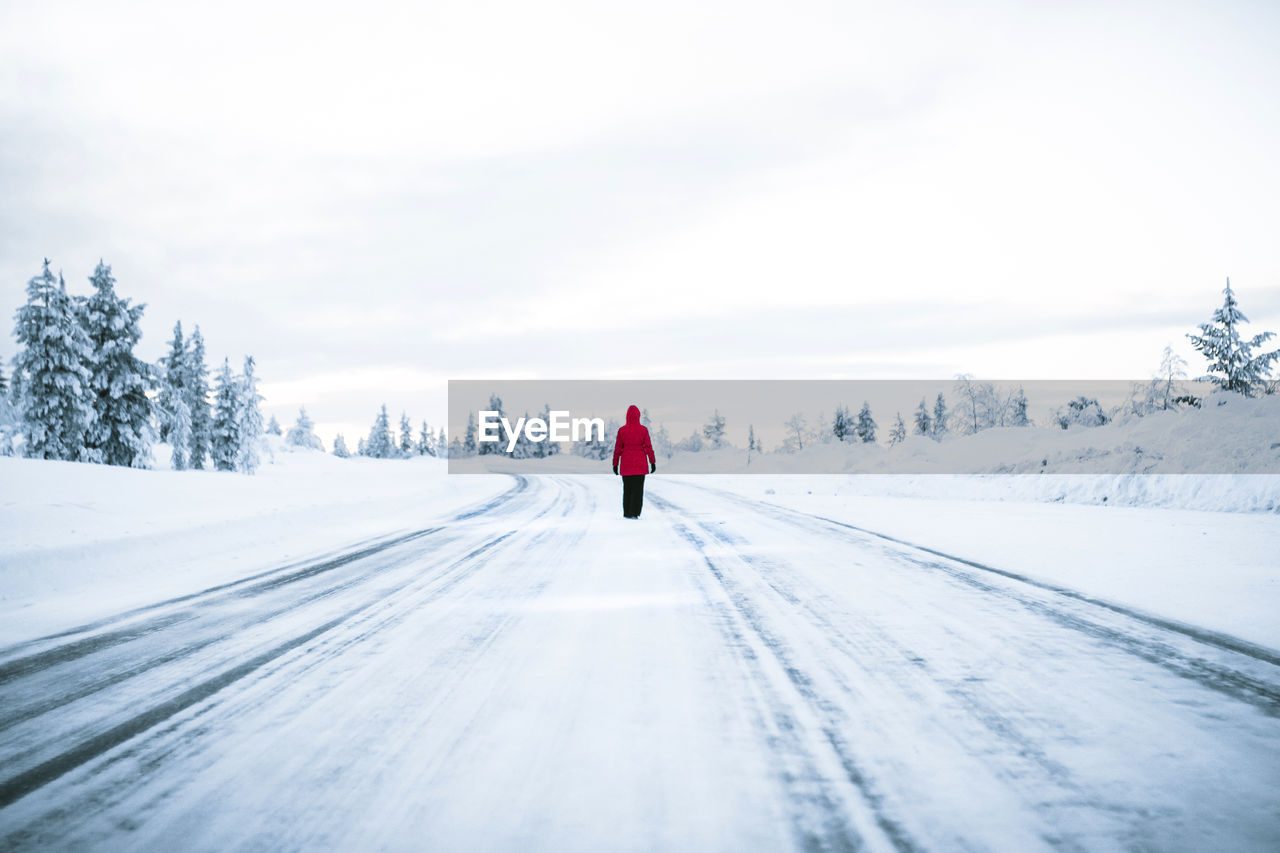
column 368, row 654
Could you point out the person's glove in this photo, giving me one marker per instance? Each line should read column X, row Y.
column 615, row 469
column 653, row 466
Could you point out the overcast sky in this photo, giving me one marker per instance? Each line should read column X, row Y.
column 373, row 198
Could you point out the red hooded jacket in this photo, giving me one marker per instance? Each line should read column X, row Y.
column 632, row 446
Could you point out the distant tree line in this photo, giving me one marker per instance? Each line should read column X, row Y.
column 385, row 443
column 77, row 392
column 592, row 447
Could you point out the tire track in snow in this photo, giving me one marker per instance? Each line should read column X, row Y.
column 269, row 580
column 1254, row 680
column 740, row 621
column 105, row 675
column 20, row 785
column 800, row 596
column 369, row 621
column 33, row 778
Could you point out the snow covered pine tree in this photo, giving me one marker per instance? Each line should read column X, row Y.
column 379, row 445
column 940, row 417
column 224, row 444
column 426, row 445
column 841, row 426
column 250, row 417
column 302, row 434
column 51, row 377
column 173, row 379
column 196, row 386
column 898, row 433
column 924, row 423
column 865, row 428
column 180, row 435
column 1232, row 364
column 406, row 436
column 120, row 433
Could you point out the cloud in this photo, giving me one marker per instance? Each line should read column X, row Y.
column 371, row 200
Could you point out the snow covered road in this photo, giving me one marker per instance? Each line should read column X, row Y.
column 537, row 673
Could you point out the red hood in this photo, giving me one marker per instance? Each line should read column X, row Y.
column 633, row 415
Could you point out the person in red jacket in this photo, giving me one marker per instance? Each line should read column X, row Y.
column 632, row 449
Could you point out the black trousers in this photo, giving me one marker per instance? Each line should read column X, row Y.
column 632, row 495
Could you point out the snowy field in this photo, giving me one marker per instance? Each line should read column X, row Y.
column 365, row 654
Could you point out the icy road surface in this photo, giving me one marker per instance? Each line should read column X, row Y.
column 537, row 673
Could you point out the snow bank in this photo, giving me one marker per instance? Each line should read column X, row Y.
column 131, row 536
column 1214, row 493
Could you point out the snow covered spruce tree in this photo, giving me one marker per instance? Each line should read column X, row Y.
column 52, row 389
column 120, row 433
column 1232, row 364
column 924, row 423
column 179, row 423
column 842, row 424
column 406, row 436
column 1018, row 409
column 442, row 444
column 469, row 442
column 865, row 427
column 898, row 433
column 426, row 445
column 340, row 447
column 273, row 426
column 302, row 434
column 940, row 417
column 173, row 380
column 379, row 444
column 196, row 387
column 713, row 431
column 224, row 443
column 249, row 415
